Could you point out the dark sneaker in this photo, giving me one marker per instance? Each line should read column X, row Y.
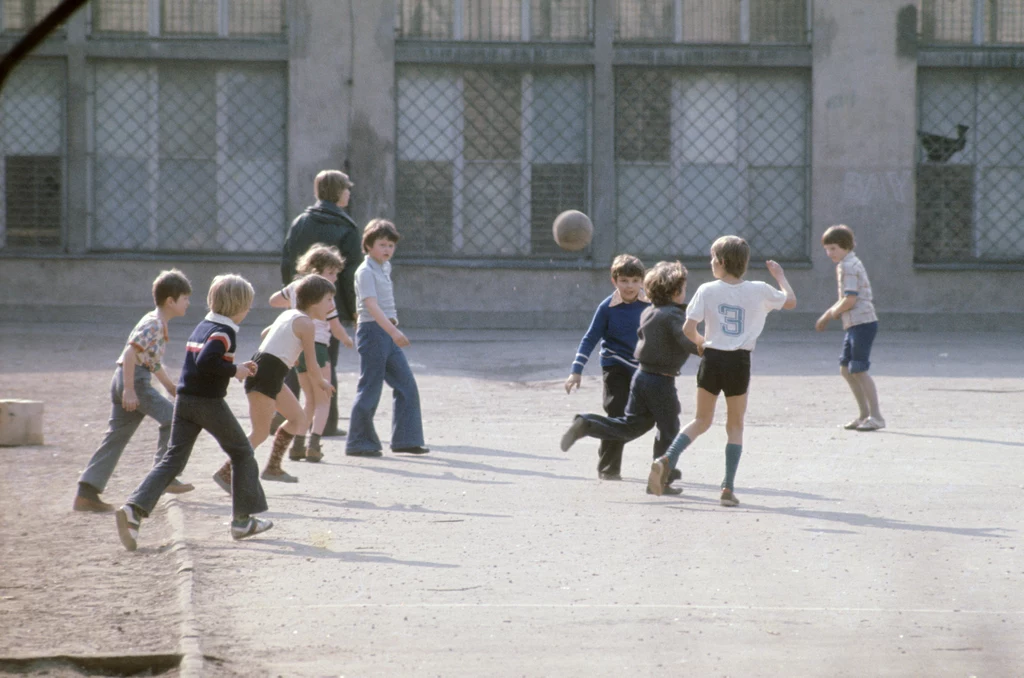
column 418, row 449
column 298, row 455
column 222, row 482
column 363, row 453
column 659, row 474
column 278, row 476
column 728, row 498
column 668, row 490
column 314, row 454
column 128, row 526
column 609, row 476
column 575, row 431
column 249, row 528
column 674, row 476
column 178, row 487
column 334, row 433
column 87, row 505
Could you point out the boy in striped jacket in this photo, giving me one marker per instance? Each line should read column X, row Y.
column 200, row 405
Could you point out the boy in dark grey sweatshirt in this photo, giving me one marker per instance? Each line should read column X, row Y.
column 661, row 350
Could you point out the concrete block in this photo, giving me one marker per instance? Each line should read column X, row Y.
column 21, row 422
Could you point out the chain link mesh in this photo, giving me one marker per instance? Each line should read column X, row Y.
column 970, row 172
column 22, row 15
column 493, row 20
column 235, row 18
column 32, row 153
column 704, row 154
column 957, row 21
column 188, row 157
column 487, row 158
column 710, row 21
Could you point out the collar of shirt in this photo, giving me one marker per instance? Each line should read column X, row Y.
column 222, row 319
column 384, row 268
column 617, row 298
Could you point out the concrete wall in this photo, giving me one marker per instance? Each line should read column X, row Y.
column 341, row 87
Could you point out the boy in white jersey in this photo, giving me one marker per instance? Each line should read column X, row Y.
column 857, row 310
column 733, row 311
column 290, row 335
column 325, row 261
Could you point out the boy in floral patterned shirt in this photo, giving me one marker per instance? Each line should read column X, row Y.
column 133, row 396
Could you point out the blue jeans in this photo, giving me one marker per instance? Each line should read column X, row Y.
column 123, row 424
column 381, row 362
column 193, row 414
column 653, row 401
column 857, row 347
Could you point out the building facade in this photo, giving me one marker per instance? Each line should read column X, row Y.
column 152, row 133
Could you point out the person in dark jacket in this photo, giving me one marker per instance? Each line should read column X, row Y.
column 327, row 222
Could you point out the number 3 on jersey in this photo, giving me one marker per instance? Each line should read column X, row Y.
column 732, row 319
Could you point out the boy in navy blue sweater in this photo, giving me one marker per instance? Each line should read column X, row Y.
column 200, row 405
column 615, row 323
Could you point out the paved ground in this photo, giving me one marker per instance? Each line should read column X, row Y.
column 895, row 553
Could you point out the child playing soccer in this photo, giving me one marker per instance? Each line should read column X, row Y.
column 733, row 311
column 661, row 350
column 200, row 405
column 291, row 334
column 381, row 360
column 860, row 321
column 614, row 324
column 326, row 262
column 132, row 395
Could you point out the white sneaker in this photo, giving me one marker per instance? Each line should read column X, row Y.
column 251, row 527
column 128, row 526
column 871, row 424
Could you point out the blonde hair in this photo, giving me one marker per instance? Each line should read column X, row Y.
column 330, row 184
column 319, row 258
column 229, row 295
column 733, row 253
column 664, row 281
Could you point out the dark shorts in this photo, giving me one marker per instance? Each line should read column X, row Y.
column 322, row 358
column 724, row 372
column 270, row 374
column 857, row 343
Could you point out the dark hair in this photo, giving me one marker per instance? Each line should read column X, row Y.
column 627, row 266
column 170, row 285
column 664, row 281
column 311, row 290
column 376, row 230
column 733, row 252
column 840, row 234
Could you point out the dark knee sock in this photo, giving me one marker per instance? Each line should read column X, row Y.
column 679, row 443
column 314, row 441
column 299, row 443
column 732, row 462
column 281, row 440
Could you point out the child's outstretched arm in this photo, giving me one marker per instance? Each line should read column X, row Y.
column 165, row 379
column 279, row 300
column 129, row 401
column 373, row 308
column 690, row 330
column 595, row 333
column 835, row 310
column 339, row 333
column 780, row 277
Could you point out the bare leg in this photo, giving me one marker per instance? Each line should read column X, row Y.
column 309, row 392
column 736, row 410
column 858, row 391
column 870, row 394
column 322, row 402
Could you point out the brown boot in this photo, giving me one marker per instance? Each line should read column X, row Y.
column 223, row 477
column 313, row 452
column 273, row 471
column 298, row 451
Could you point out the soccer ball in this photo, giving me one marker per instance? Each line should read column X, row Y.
column 572, row 230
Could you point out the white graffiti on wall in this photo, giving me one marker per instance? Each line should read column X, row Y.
column 874, row 187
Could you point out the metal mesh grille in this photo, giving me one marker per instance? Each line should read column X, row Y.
column 488, row 157
column 235, row 18
column 711, row 21
column 967, row 21
column 494, row 20
column 32, row 109
column 22, row 15
column 970, row 179
column 188, row 157
column 700, row 155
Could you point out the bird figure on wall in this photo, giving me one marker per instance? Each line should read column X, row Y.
column 939, row 148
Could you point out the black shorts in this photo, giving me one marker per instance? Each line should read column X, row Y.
column 724, row 371
column 270, row 374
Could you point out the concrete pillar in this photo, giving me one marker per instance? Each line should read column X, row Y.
column 603, row 201
column 341, row 99
column 863, row 140
column 77, row 236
